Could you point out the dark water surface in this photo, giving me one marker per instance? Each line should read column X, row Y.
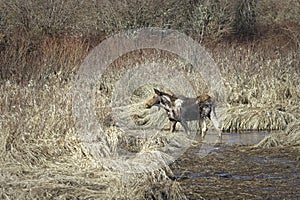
column 234, row 169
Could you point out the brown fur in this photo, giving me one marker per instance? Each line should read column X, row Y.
column 204, row 97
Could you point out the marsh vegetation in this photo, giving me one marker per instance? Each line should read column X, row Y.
column 43, row 43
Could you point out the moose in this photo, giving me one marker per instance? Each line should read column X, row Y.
column 183, row 109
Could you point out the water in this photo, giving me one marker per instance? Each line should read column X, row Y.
column 259, row 173
column 211, row 141
column 246, row 138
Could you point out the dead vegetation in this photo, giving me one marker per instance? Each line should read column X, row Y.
column 289, row 137
column 42, row 155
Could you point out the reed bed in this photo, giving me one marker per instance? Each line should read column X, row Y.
column 262, row 86
column 289, row 137
column 42, row 155
column 265, row 118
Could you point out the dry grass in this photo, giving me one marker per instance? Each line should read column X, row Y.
column 290, row 137
column 42, row 155
column 258, row 118
column 262, row 85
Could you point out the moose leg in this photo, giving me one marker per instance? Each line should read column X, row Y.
column 172, row 125
column 185, row 127
column 214, row 119
column 203, row 126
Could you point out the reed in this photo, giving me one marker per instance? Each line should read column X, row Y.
column 42, row 156
column 290, row 137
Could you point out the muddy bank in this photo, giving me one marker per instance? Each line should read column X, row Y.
column 233, row 171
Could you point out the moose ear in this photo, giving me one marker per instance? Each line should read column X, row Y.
column 157, row 92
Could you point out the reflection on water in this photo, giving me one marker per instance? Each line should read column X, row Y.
column 246, row 138
column 209, row 144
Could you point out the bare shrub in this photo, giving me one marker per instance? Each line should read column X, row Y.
column 245, row 18
column 278, row 12
column 114, row 16
column 42, row 16
column 27, row 57
column 210, row 18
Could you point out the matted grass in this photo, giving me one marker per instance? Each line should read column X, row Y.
column 289, row 137
column 260, row 118
column 42, row 156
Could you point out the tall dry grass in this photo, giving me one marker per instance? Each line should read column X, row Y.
column 41, row 153
column 262, row 84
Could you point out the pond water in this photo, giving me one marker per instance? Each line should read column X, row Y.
column 234, row 169
column 212, row 143
column 245, row 138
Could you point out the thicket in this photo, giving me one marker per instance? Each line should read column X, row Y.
column 199, row 17
column 29, row 29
